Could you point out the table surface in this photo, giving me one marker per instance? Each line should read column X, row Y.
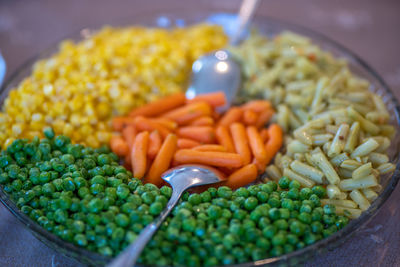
column 368, row 27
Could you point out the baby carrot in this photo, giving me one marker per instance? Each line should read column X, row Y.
column 264, row 117
column 256, row 144
column 210, row 148
column 145, row 124
column 274, row 142
column 224, row 138
column 250, row 117
column 169, row 124
column 217, row 159
column 118, row 123
column 240, row 141
column 202, row 134
column 160, row 106
column 257, row 105
column 242, row 177
column 203, row 121
column 234, row 114
column 215, row 115
column 264, row 135
column 118, row 145
column 187, row 143
column 129, row 134
column 260, row 165
column 139, row 154
column 154, row 144
column 216, row 99
column 162, row 161
column 189, row 112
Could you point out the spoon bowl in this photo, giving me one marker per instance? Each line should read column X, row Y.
column 214, row 72
column 184, row 177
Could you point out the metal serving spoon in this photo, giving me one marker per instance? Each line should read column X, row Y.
column 218, row 71
column 180, row 178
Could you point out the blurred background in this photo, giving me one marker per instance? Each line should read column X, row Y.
column 369, row 28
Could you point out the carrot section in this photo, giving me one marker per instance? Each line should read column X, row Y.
column 239, row 136
column 187, row 143
column 173, row 131
column 154, row 144
column 256, row 144
column 160, row 106
column 210, row 148
column 119, row 146
column 274, row 142
column 129, row 134
column 139, row 155
column 250, row 117
column 145, row 124
column 224, row 138
column 162, row 161
column 217, row 159
column 232, row 115
column 203, row 121
column 216, row 99
column 189, row 112
column 202, row 134
column 242, row 177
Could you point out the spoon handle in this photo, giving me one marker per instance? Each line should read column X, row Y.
column 245, row 14
column 130, row 255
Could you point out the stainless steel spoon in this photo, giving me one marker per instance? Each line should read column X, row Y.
column 180, row 178
column 218, row 71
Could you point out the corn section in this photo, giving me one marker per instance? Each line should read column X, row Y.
column 78, row 90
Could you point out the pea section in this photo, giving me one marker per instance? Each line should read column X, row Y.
column 83, row 196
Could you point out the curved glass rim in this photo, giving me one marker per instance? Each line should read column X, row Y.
column 327, row 243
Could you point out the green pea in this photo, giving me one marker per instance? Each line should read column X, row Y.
column 134, row 183
column 65, row 202
column 274, row 202
column 48, row 132
column 297, row 228
column 305, row 208
column 250, row 203
column 4, row 178
column 96, row 189
column 329, row 209
column 95, row 205
column 148, row 198
column 155, row 208
column 284, row 213
column 284, row 182
column 294, row 184
column 61, row 141
column 239, row 214
column 80, row 240
column 122, row 220
column 166, row 191
column 293, row 193
column 122, row 191
column 305, row 193
column 214, row 212
column 13, row 170
column 98, row 179
column 68, row 184
column 262, row 196
column 224, row 192
column 320, row 191
column 269, row 231
column 60, row 216
column 5, row 161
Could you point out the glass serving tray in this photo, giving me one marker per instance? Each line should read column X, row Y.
column 268, row 27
